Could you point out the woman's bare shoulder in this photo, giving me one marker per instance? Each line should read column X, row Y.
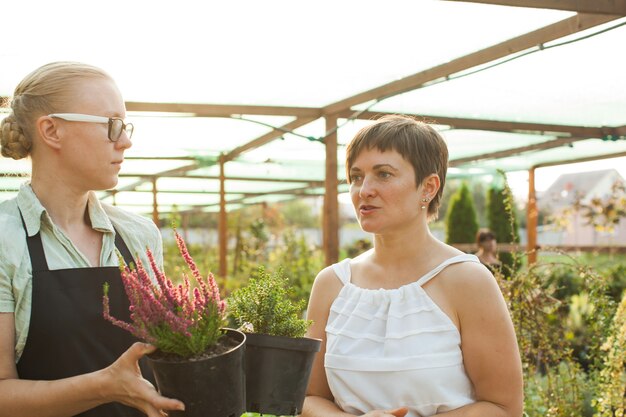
column 471, row 287
column 327, row 280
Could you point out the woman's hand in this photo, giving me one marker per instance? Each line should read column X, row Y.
column 397, row 412
column 126, row 385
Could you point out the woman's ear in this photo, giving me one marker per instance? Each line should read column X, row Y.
column 49, row 132
column 431, row 185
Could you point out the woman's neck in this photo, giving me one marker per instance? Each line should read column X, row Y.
column 415, row 244
column 65, row 205
column 487, row 256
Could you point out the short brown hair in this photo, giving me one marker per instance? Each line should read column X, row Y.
column 418, row 143
column 483, row 235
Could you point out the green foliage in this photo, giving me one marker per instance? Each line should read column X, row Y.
column 563, row 309
column 612, row 379
column 203, row 335
column 461, row 224
column 264, row 303
column 250, row 246
column 297, row 213
column 299, row 261
column 477, row 189
column 205, row 257
column 561, row 392
column 568, row 282
column 502, row 222
column 605, row 214
column 501, row 214
column 616, row 275
column 561, row 336
column 357, row 247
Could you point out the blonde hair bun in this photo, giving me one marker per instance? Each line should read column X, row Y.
column 13, row 143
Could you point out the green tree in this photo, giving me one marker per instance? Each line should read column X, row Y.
column 461, row 223
column 503, row 223
column 298, row 213
column 478, row 191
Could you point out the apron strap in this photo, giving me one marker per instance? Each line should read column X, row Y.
column 35, row 249
column 38, row 256
column 121, row 246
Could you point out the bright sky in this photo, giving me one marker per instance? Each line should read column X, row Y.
column 248, row 51
column 544, row 177
column 311, row 53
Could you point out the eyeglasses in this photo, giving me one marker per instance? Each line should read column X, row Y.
column 116, row 124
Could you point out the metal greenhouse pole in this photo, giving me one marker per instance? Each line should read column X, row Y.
column 155, row 204
column 531, row 217
column 222, row 225
column 331, row 204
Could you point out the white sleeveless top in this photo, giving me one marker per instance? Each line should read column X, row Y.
column 394, row 348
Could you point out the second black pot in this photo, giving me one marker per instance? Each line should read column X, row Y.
column 277, row 373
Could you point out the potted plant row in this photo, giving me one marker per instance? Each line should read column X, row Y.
column 197, row 360
column 278, row 358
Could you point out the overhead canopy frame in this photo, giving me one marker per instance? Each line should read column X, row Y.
column 543, row 136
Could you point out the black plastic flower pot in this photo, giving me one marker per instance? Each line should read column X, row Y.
column 277, row 373
column 211, row 387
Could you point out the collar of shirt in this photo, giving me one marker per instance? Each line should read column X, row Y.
column 35, row 213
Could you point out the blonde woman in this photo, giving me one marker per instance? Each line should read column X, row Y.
column 412, row 327
column 58, row 356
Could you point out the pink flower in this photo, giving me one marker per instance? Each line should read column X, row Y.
column 172, row 317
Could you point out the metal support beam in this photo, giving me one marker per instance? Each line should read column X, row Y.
column 304, row 191
column 532, row 215
column 578, row 160
column 155, row 203
column 312, row 183
column 222, row 224
column 159, row 158
column 268, row 137
column 514, row 151
column 300, row 192
column 616, row 7
column 500, row 126
column 222, row 110
column 169, row 173
column 331, row 204
column 537, row 37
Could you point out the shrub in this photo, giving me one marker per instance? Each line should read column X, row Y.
column 561, row 340
column 616, row 275
column 264, row 304
column 461, row 224
column 502, row 222
column 561, row 392
column 299, row 261
column 357, row 247
column 611, row 399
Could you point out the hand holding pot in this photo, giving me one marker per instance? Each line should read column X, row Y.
column 397, row 412
column 126, row 385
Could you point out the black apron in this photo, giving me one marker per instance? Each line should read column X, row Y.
column 68, row 335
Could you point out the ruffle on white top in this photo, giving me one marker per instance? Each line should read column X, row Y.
column 393, row 348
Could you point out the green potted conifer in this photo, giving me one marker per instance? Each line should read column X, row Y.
column 197, row 360
column 278, row 356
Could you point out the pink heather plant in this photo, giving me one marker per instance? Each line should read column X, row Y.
column 175, row 318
